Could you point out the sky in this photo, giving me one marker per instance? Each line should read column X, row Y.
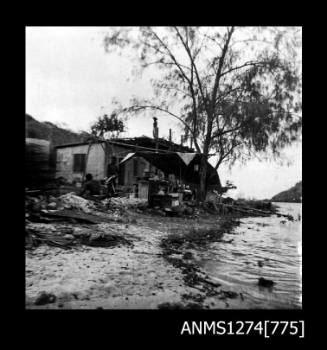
column 71, row 80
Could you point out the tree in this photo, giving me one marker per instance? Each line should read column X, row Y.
column 104, row 128
column 236, row 91
column 107, row 127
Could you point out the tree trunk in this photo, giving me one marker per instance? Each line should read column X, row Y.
column 203, row 176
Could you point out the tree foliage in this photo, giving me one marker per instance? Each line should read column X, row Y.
column 236, row 91
column 107, row 127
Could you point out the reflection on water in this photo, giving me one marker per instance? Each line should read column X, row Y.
column 268, row 247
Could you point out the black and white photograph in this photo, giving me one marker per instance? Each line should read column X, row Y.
column 163, row 167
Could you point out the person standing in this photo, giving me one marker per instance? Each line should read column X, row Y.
column 112, row 172
column 112, row 168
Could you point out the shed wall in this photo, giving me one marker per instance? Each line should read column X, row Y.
column 95, row 162
column 98, row 161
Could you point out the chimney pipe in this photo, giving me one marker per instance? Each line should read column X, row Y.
column 155, row 131
column 170, row 135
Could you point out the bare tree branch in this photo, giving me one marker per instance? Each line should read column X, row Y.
column 262, row 63
column 215, row 90
column 193, row 65
column 138, row 108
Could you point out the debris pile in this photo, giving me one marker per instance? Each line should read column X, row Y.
column 124, row 202
column 101, row 239
column 196, row 237
column 64, row 236
column 72, row 201
column 36, row 234
column 70, row 208
column 255, row 204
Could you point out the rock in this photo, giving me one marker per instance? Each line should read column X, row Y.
column 265, row 282
column 45, row 298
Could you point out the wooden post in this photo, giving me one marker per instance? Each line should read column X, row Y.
column 155, row 132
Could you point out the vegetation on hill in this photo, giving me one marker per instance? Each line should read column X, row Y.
column 51, row 132
column 294, row 194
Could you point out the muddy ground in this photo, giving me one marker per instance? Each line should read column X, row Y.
column 156, row 269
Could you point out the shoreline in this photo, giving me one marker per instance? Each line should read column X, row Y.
column 179, row 249
column 159, row 269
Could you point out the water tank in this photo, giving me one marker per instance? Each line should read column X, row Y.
column 37, row 162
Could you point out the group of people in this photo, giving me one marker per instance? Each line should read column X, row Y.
column 92, row 187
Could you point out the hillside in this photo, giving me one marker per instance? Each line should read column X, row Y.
column 51, row 132
column 40, row 168
column 294, row 194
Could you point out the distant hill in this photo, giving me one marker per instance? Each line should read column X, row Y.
column 51, row 132
column 294, row 194
column 40, row 168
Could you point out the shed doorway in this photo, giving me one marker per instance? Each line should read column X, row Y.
column 121, row 173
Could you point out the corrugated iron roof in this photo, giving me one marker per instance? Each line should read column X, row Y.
column 142, row 141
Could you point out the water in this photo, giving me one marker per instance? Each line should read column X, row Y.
column 271, row 242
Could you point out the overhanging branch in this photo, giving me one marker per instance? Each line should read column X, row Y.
column 138, row 108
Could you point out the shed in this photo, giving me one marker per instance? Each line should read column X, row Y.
column 185, row 166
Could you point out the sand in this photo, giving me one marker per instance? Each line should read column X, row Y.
column 120, row 277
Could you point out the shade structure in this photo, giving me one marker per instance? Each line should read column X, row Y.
column 184, row 166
